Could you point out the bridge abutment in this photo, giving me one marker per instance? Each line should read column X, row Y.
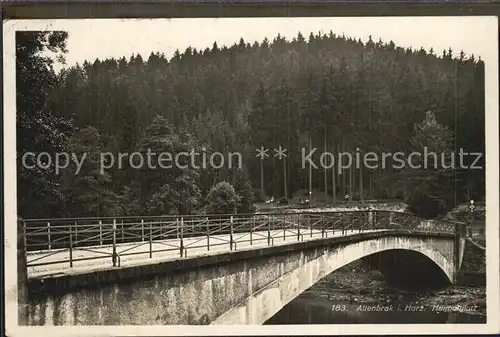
column 22, row 274
column 459, row 246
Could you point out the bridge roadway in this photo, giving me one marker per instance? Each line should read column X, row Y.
column 95, row 258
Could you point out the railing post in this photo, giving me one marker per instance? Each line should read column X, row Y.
column 252, row 225
column 71, row 245
column 100, row 232
column 48, row 235
column 298, row 229
column 324, row 225
column 150, row 239
column 208, row 235
column 142, row 230
column 322, row 228
column 308, row 224
column 113, row 257
column 177, row 228
column 231, row 234
column 76, row 233
column 123, row 233
column 182, row 237
column 268, row 231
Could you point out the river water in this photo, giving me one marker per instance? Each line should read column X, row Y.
column 354, row 294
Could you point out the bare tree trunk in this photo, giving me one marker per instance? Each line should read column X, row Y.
column 310, row 170
column 342, row 172
column 370, row 130
column 339, row 175
column 284, row 178
column 390, row 172
column 325, row 171
column 285, row 169
column 350, row 183
column 273, row 178
column 262, row 195
column 377, row 179
column 334, row 176
column 361, row 181
column 370, row 182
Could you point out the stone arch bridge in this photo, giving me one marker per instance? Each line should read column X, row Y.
column 215, row 269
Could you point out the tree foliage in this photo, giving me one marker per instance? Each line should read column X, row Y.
column 326, row 91
column 40, row 128
column 222, row 199
column 431, row 175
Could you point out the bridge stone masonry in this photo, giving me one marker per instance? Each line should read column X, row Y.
column 227, row 269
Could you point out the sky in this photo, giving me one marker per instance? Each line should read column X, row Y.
column 103, row 38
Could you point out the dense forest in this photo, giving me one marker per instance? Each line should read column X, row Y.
column 323, row 91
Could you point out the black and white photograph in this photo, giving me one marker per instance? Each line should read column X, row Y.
column 271, row 175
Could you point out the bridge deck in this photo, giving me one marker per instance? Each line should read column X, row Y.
column 89, row 259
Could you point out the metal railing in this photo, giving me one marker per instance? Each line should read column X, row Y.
column 156, row 234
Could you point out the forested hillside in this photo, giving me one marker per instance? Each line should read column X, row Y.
column 322, row 91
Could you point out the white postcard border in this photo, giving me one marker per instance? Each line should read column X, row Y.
column 10, row 220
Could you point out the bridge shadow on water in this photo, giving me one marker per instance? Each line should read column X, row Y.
column 389, row 287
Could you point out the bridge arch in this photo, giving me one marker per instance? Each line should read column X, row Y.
column 408, row 268
column 263, row 304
